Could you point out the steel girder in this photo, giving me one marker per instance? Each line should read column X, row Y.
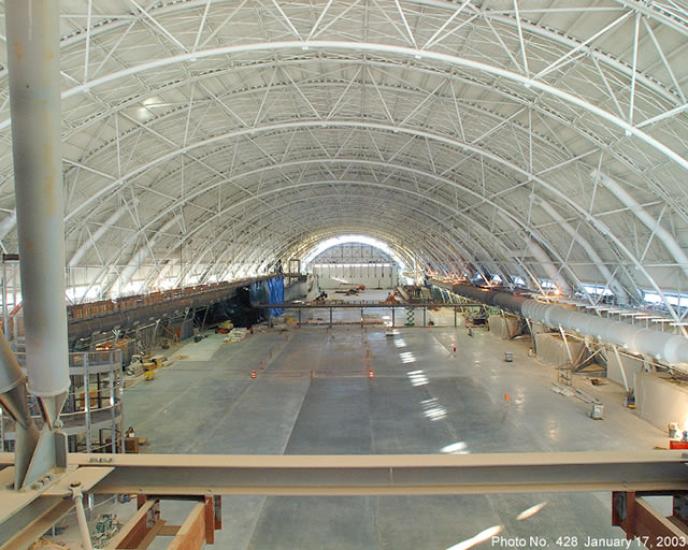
column 396, row 50
column 498, row 473
column 208, row 476
column 661, row 16
column 510, row 30
column 599, row 225
column 468, row 230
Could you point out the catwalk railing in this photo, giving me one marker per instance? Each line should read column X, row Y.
column 392, row 315
column 93, row 405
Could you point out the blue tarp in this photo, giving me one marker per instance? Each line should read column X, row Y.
column 270, row 291
column 276, row 294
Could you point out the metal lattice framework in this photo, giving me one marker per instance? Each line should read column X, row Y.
column 204, row 139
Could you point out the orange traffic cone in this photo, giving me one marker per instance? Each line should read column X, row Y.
column 253, row 375
column 371, row 373
column 507, row 397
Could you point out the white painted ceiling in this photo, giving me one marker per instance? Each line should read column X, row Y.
column 470, row 134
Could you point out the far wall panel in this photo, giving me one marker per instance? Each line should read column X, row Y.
column 331, row 276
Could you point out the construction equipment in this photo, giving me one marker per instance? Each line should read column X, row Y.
column 106, row 527
column 597, row 411
column 149, row 369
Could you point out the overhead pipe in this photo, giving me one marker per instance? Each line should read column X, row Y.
column 670, row 348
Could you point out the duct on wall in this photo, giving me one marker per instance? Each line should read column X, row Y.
column 644, row 216
column 614, row 285
column 670, row 348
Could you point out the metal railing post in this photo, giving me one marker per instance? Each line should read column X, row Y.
column 87, row 404
column 113, row 415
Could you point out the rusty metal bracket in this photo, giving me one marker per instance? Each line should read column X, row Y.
column 634, row 514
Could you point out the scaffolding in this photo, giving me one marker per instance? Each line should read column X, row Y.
column 92, row 414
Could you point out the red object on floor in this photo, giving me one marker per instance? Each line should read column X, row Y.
column 371, row 373
column 676, row 444
column 253, row 375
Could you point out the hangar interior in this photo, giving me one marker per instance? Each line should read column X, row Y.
column 325, row 274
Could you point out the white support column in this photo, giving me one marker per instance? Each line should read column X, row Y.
column 33, row 44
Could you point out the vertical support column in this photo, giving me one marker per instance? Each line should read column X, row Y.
column 33, row 48
column 113, row 402
column 87, row 402
column 5, row 311
column 617, row 356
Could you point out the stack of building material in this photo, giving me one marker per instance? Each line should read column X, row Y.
column 225, row 327
column 237, row 335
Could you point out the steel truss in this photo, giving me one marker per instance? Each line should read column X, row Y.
column 29, row 513
column 504, row 111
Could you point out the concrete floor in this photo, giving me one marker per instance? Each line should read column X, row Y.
column 312, row 396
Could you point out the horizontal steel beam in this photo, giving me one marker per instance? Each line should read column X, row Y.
column 165, row 474
column 642, row 522
column 365, row 305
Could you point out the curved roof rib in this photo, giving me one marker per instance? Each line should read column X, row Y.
column 205, row 138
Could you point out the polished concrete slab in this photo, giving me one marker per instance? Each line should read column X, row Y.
column 312, row 395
